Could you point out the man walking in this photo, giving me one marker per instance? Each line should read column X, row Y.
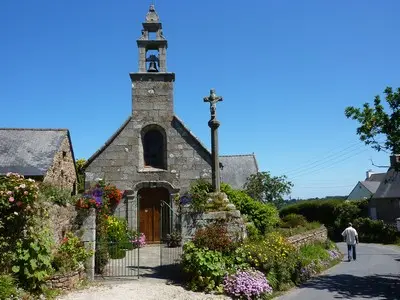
column 351, row 238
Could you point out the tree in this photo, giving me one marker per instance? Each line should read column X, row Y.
column 375, row 122
column 266, row 188
column 81, row 174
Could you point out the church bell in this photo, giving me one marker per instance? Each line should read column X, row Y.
column 152, row 67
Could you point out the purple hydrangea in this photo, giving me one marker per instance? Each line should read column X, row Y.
column 97, row 195
column 248, row 284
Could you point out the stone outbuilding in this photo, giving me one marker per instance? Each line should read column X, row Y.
column 45, row 155
column 385, row 203
column 153, row 156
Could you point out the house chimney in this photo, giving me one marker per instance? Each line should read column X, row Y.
column 395, row 161
column 369, row 173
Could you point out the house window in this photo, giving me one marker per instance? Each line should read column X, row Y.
column 153, row 149
column 64, row 154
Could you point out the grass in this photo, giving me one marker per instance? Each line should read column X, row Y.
column 286, row 232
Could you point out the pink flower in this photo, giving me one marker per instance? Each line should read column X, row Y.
column 9, row 193
column 8, row 174
column 22, row 186
column 16, row 188
column 26, row 193
column 11, row 199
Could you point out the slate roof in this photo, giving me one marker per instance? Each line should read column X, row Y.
column 390, row 186
column 371, row 186
column 29, row 151
column 376, row 177
column 237, row 168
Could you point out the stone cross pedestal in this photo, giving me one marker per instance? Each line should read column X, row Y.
column 214, row 124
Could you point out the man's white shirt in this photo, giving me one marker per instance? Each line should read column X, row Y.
column 350, row 233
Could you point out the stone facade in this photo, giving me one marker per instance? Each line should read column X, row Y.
column 386, row 209
column 309, row 237
column 192, row 221
column 121, row 162
column 62, row 172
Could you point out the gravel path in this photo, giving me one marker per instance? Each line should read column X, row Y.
column 374, row 275
column 143, row 289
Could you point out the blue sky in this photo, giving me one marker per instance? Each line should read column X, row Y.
column 286, row 70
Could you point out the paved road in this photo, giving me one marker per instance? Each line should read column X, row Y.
column 375, row 275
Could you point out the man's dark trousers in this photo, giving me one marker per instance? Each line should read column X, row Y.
column 351, row 249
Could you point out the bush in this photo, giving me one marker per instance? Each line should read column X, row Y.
column 249, row 284
column 56, row 194
column 293, row 221
column 264, row 216
column 71, row 255
column 252, row 231
column 375, row 231
column 174, row 239
column 25, row 239
column 199, row 191
column 205, row 268
column 334, row 214
column 8, row 288
column 272, row 256
column 214, row 237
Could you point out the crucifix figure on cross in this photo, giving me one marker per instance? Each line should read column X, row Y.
column 214, row 124
column 213, row 99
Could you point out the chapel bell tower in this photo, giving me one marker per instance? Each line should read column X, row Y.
column 152, row 86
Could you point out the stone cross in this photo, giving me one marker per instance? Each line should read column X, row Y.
column 214, row 124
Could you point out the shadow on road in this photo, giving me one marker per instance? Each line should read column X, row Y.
column 347, row 286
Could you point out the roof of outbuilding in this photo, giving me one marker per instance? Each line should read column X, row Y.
column 29, row 151
column 376, row 177
column 371, row 186
column 237, row 168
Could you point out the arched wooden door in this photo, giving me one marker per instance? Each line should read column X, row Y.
column 150, row 212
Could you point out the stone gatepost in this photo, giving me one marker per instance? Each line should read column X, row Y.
column 89, row 240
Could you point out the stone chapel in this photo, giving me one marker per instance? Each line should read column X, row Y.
column 153, row 156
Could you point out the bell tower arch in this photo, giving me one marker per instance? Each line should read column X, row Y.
column 152, row 85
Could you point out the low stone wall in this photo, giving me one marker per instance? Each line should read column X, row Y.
column 62, row 220
column 65, row 281
column 192, row 221
column 309, row 237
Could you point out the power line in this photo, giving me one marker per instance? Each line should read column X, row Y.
column 327, row 167
column 312, row 161
column 324, row 187
column 313, row 166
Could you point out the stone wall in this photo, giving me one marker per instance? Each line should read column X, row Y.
column 83, row 224
column 66, row 281
column 192, row 221
column 62, row 220
column 62, row 172
column 309, row 237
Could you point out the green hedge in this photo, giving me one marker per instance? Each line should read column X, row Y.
column 265, row 216
column 375, row 231
column 334, row 214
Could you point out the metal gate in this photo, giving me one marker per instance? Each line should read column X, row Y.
column 171, row 239
column 119, row 258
